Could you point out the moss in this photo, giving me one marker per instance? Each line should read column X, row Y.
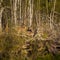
column 49, row 57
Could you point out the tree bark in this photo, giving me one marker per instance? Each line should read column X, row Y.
column 15, row 9
column 52, row 15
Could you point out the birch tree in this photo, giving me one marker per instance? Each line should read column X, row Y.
column 52, row 14
column 1, row 10
column 15, row 9
column 20, row 11
column 31, row 11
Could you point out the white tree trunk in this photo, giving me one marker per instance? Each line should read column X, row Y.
column 1, row 16
column 30, row 12
column 52, row 15
column 1, row 10
column 51, row 21
column 53, row 10
column 20, row 12
column 15, row 9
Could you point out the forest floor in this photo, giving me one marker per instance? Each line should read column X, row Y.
column 17, row 42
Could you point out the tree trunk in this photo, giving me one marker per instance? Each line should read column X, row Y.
column 1, row 16
column 20, row 12
column 30, row 12
column 52, row 15
column 1, row 10
column 15, row 9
